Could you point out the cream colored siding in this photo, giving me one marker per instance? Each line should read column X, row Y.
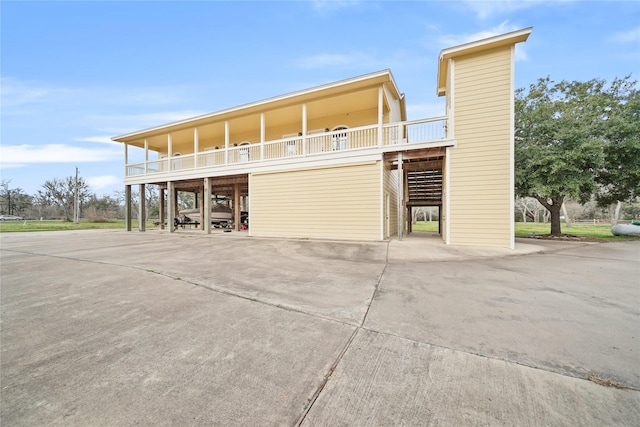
column 333, row 203
column 391, row 189
column 480, row 165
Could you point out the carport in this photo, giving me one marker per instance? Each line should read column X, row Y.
column 231, row 187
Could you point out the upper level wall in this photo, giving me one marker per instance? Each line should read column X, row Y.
column 481, row 165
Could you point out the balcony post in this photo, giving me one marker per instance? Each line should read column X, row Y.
column 195, row 148
column 146, row 156
column 169, row 152
column 380, row 114
column 304, row 129
column 262, row 135
column 126, row 159
column 226, row 142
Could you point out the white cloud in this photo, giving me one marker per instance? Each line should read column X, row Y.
column 98, row 139
column 630, row 36
column 332, row 60
column 21, row 155
column 487, row 9
column 120, row 124
column 332, row 5
column 104, row 181
column 450, row 40
column 426, row 110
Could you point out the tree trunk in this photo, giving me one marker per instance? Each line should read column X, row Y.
column 556, row 229
column 554, row 207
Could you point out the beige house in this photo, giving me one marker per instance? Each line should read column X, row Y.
column 340, row 161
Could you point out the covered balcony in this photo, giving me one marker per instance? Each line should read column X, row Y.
column 324, row 125
column 316, row 144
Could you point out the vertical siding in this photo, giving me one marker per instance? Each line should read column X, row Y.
column 390, row 187
column 480, row 166
column 332, row 203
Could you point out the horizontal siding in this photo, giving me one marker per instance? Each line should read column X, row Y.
column 332, row 203
column 391, row 188
column 480, row 178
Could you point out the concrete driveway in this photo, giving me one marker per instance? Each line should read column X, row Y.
column 115, row 328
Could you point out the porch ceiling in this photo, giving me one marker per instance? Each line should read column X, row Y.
column 352, row 95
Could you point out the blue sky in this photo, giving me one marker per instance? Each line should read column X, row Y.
column 74, row 74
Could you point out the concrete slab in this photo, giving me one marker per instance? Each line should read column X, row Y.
column 385, row 380
column 117, row 328
column 300, row 275
column 94, row 344
column 573, row 312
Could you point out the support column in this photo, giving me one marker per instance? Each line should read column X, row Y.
column 162, row 209
column 206, row 206
column 171, row 205
column 380, row 114
column 400, row 197
column 142, row 213
column 304, row 129
column 226, row 142
column 169, row 153
column 195, row 148
column 146, row 156
column 127, row 207
column 236, row 207
column 199, row 199
column 262, row 135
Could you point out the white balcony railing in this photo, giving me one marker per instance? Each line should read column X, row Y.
column 364, row 137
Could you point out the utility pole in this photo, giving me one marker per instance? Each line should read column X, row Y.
column 76, row 205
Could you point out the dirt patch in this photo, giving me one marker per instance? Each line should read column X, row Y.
column 607, row 382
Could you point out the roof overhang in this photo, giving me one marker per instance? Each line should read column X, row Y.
column 383, row 77
column 502, row 40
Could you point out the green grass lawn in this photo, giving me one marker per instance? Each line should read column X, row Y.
column 591, row 231
column 9, row 226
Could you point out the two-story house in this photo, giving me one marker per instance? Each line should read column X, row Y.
column 340, row 161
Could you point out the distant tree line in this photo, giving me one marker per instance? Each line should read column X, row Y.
column 55, row 201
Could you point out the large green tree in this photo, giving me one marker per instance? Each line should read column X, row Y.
column 620, row 178
column 562, row 137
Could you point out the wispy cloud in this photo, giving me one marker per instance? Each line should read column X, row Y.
column 333, row 5
column 488, row 9
column 22, row 155
column 450, row 40
column 18, row 93
column 97, row 139
column 103, row 181
column 630, row 36
column 420, row 111
column 125, row 123
column 335, row 60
